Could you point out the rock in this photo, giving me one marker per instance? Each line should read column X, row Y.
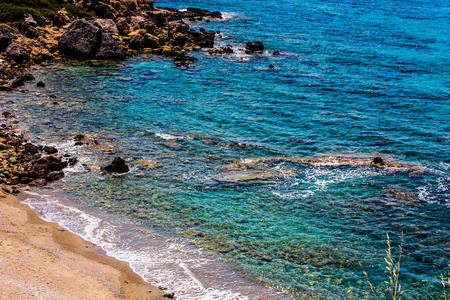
column 73, row 161
column 41, row 21
column 276, row 53
column 137, row 21
column 148, row 163
column 17, row 52
column 271, row 67
column 50, row 150
column 252, row 47
column 378, row 160
column 21, row 79
column 136, row 42
column 82, row 40
column 38, row 182
column 206, row 40
column 30, row 20
column 150, row 41
column 40, row 84
column 118, row 165
column 169, row 295
column 107, row 25
column 110, row 49
column 5, row 38
column 221, row 51
column 53, row 176
column 58, row 19
column 51, row 163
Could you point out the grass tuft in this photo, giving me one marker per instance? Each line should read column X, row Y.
column 393, row 267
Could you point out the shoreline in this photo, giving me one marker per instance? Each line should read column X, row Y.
column 39, row 258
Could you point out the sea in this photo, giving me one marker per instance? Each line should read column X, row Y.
column 250, row 182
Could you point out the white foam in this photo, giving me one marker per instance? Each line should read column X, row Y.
column 164, row 261
column 170, row 136
column 230, row 16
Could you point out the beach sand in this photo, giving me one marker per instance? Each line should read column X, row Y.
column 41, row 260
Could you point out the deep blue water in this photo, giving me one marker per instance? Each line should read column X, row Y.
column 355, row 78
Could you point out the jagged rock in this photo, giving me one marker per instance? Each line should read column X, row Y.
column 50, row 150
column 110, row 49
column 29, row 20
column 221, row 51
column 118, row 165
column 150, row 41
column 107, row 25
column 5, row 38
column 81, row 40
column 53, row 176
column 252, row 47
column 51, row 163
column 17, row 52
column 39, row 182
column 206, row 40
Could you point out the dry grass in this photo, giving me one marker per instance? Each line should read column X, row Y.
column 393, row 267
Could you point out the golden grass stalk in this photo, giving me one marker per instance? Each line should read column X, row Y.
column 368, row 280
column 395, row 288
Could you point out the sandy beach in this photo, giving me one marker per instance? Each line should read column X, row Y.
column 41, row 260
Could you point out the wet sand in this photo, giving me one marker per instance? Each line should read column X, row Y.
column 41, row 260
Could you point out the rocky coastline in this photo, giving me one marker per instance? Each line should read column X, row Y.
column 99, row 30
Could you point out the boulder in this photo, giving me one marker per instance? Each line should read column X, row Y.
column 254, row 47
column 107, row 25
column 81, row 40
column 118, row 165
column 17, row 52
column 5, row 38
column 110, row 49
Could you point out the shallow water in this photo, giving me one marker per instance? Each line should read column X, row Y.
column 354, row 79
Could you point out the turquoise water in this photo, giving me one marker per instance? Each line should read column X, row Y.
column 354, row 79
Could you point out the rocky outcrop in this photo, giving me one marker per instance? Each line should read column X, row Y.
column 118, row 165
column 17, row 52
column 5, row 38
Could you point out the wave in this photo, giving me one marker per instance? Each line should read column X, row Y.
column 161, row 260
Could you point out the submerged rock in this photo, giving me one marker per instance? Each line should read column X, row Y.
column 118, row 165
